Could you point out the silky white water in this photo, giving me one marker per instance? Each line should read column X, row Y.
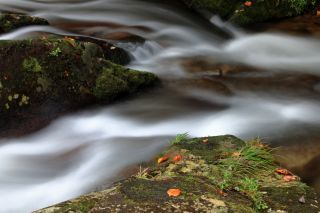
column 79, row 153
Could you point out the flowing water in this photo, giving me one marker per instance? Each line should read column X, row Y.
column 80, row 152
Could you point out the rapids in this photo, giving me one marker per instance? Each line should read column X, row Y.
column 79, row 153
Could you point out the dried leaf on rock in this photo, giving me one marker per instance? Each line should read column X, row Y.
column 174, row 192
column 163, row 159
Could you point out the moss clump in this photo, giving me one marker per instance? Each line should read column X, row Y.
column 116, row 80
column 237, row 12
column 31, row 65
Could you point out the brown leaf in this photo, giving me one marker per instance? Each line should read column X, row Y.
column 205, row 140
column 283, row 171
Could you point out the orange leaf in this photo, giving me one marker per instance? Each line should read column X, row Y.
column 289, row 178
column 174, row 192
column 248, row 3
column 283, row 171
column 163, row 159
column 177, row 158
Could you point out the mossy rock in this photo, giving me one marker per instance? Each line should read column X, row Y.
column 214, row 174
column 260, row 10
column 62, row 71
column 12, row 21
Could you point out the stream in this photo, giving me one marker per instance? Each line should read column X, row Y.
column 275, row 95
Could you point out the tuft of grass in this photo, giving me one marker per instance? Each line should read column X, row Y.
column 143, row 173
column 179, row 138
column 250, row 187
column 241, row 168
column 251, row 159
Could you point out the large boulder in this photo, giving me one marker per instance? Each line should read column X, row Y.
column 65, row 71
column 212, row 174
column 247, row 12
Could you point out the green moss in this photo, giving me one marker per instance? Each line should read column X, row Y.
column 116, row 80
column 81, row 206
column 109, row 86
column 31, row 65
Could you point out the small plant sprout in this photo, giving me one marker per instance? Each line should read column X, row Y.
column 56, row 52
column 179, row 139
column 143, row 173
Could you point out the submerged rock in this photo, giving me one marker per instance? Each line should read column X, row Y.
column 247, row 12
column 12, row 21
column 212, row 174
column 64, row 71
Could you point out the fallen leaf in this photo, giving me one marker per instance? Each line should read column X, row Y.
column 163, row 159
column 283, row 171
column 318, row 12
column 205, row 140
column 177, row 158
column 247, row 3
column 174, row 192
column 289, row 178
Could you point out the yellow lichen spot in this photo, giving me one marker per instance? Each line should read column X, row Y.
column 10, row 97
column 24, row 99
column 16, row 96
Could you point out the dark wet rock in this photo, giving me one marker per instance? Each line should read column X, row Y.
column 214, row 174
column 53, row 74
column 258, row 11
column 12, row 21
column 307, row 25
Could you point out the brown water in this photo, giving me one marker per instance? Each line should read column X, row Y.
column 269, row 88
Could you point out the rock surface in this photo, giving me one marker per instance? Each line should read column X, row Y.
column 62, row 70
column 11, row 21
column 213, row 174
column 247, row 12
column 44, row 77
